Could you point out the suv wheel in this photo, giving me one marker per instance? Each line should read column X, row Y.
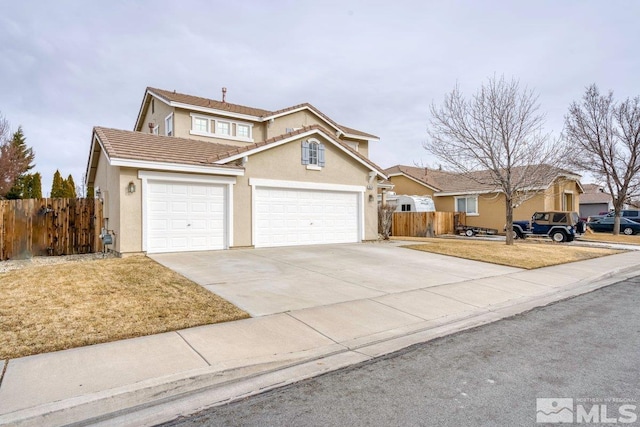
column 559, row 236
column 628, row 231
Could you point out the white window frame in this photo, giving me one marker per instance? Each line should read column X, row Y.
column 212, row 128
column 168, row 123
column 222, row 123
column 314, row 153
column 466, row 205
column 196, row 120
column 156, row 130
column 243, row 126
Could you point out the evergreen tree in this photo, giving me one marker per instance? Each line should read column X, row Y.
column 69, row 188
column 25, row 156
column 36, row 186
column 57, row 188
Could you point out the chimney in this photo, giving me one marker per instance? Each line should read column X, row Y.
column 224, row 94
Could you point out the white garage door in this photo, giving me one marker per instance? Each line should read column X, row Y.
column 185, row 217
column 286, row 217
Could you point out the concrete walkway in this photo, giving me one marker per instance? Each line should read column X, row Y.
column 316, row 312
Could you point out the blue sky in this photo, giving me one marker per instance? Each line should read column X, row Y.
column 67, row 66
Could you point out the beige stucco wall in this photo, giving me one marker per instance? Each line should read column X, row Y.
column 161, row 111
column 107, row 178
column 293, row 121
column 404, row 185
column 339, row 169
column 130, row 211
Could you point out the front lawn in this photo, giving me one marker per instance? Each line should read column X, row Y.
column 528, row 255
column 55, row 307
column 610, row 238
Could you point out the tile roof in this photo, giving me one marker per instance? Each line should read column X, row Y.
column 208, row 103
column 173, row 96
column 131, row 145
column 480, row 181
column 593, row 193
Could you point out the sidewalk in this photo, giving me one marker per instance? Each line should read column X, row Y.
column 149, row 380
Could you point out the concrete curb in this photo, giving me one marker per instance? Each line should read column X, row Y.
column 159, row 400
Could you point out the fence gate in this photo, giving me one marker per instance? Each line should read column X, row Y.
column 40, row 227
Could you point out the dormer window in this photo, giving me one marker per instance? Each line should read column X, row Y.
column 217, row 128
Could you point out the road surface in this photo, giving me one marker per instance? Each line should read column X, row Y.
column 586, row 348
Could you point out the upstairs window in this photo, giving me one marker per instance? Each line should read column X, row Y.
column 243, row 131
column 168, row 125
column 204, row 125
column 223, row 128
column 468, row 205
column 200, row 124
column 313, row 154
column 405, row 208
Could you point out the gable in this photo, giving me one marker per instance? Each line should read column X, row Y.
column 284, row 162
column 300, row 135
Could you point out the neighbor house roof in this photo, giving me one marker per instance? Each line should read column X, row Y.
column 258, row 114
column 594, row 194
column 445, row 182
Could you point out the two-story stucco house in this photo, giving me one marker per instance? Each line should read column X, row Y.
column 201, row 174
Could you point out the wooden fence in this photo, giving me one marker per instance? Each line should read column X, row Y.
column 425, row 224
column 40, row 227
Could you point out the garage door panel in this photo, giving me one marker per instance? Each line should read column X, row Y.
column 185, row 216
column 302, row 217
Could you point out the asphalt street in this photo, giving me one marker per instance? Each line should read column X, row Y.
column 586, row 348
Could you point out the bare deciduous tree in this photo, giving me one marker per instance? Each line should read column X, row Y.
column 606, row 135
column 385, row 215
column 499, row 130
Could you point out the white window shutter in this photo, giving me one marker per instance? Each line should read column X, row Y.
column 305, row 152
column 321, row 155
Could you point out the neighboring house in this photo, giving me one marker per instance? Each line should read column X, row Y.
column 199, row 174
column 594, row 201
column 483, row 204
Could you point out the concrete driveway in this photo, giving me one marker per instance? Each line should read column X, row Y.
column 276, row 280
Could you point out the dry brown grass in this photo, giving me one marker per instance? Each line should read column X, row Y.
column 608, row 237
column 528, row 255
column 50, row 308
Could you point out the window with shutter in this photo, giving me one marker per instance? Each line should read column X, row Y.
column 305, row 152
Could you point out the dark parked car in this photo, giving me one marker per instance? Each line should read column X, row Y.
column 631, row 214
column 605, row 224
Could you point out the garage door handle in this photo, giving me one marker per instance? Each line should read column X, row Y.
column 188, row 225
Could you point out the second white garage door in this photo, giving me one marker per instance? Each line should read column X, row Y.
column 185, row 217
column 286, row 217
